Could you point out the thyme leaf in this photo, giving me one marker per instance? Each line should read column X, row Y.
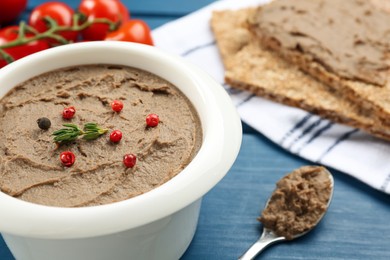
column 71, row 132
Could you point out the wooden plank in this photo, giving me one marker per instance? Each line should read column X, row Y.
column 154, row 12
column 158, row 7
column 166, row 7
column 356, row 226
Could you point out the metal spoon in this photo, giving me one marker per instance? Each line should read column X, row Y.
column 268, row 237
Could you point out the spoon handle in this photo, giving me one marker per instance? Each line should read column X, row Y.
column 267, row 238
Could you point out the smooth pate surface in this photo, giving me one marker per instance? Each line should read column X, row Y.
column 351, row 38
column 30, row 168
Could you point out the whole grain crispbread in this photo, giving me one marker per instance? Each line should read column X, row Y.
column 373, row 100
column 250, row 67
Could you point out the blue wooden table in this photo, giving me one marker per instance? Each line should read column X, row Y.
column 357, row 225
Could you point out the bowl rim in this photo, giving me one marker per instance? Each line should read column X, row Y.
column 222, row 136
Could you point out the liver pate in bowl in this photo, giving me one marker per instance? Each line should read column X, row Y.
column 31, row 156
column 99, row 207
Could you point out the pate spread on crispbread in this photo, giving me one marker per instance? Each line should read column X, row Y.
column 249, row 66
column 344, row 44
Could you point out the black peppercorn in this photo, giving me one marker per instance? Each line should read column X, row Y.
column 44, row 123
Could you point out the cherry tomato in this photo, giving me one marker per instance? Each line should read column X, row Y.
column 60, row 12
column 9, row 34
column 132, row 31
column 11, row 9
column 113, row 10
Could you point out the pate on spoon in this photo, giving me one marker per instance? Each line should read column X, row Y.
column 296, row 206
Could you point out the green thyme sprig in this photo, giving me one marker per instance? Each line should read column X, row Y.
column 71, row 132
column 93, row 131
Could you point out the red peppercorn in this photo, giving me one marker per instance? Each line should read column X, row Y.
column 67, row 158
column 68, row 112
column 115, row 136
column 152, row 120
column 129, row 160
column 117, row 105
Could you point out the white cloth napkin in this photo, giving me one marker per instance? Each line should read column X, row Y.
column 309, row 136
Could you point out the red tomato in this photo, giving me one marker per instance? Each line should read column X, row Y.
column 113, row 10
column 9, row 34
column 11, row 9
column 132, row 31
column 60, row 12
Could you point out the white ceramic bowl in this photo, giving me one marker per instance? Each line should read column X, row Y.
column 159, row 224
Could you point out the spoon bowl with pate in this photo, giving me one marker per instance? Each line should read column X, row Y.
column 296, row 206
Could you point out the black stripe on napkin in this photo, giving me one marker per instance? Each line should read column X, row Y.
column 230, row 90
column 245, row 100
column 385, row 183
column 305, row 131
column 298, row 125
column 197, row 48
column 315, row 135
column 339, row 140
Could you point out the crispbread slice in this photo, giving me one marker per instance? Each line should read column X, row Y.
column 262, row 72
column 373, row 100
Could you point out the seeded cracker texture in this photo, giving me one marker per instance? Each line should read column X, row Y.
column 374, row 100
column 250, row 67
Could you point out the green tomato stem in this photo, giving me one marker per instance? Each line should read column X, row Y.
column 8, row 58
column 51, row 33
